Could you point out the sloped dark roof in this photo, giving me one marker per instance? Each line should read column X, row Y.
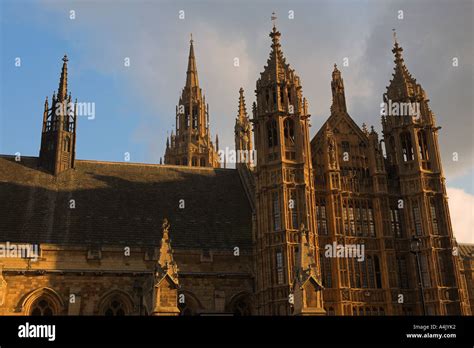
column 123, row 204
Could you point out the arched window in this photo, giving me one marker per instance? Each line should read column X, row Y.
column 185, row 161
column 116, row 303
column 407, row 147
column 177, row 162
column 42, row 307
column 194, row 162
column 202, row 162
column 422, row 145
column 289, row 132
column 272, row 133
column 190, row 305
column 195, row 119
column 42, row 302
column 115, row 308
column 240, row 305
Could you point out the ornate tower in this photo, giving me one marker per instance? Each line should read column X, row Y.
column 191, row 145
column 351, row 206
column 243, row 133
column 414, row 165
column 58, row 138
column 284, row 188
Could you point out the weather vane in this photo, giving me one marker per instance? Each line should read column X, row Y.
column 274, row 17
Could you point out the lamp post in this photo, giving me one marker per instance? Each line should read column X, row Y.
column 415, row 245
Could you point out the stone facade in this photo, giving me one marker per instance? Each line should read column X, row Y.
column 189, row 238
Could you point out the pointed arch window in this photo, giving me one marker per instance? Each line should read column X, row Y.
column 407, row 147
column 202, row 162
column 194, row 162
column 185, row 161
column 422, row 144
column 115, row 308
column 321, row 218
column 272, row 133
column 289, row 132
column 42, row 307
column 195, row 119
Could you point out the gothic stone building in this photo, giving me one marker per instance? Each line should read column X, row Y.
column 188, row 237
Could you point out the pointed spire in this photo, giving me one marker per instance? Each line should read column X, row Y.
column 191, row 74
column 217, row 143
column 338, row 95
column 62, row 91
column 242, row 109
column 402, row 85
column 166, row 263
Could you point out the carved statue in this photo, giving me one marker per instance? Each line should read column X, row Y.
column 332, row 152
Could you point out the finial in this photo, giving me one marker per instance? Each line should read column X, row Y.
column 274, row 18
column 191, row 41
column 165, row 226
column 394, row 36
column 65, row 59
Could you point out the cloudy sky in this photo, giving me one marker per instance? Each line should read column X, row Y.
column 135, row 105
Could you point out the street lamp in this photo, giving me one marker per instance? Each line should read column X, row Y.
column 415, row 245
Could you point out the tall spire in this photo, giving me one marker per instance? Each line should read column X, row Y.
column 403, row 85
column 192, row 144
column 62, row 91
column 276, row 68
column 192, row 75
column 58, row 138
column 338, row 95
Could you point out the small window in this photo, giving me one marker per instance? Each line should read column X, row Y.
column 272, row 133
column 42, row 307
column 279, row 266
column 417, row 219
column 407, row 147
column 289, row 132
column 115, row 308
column 276, row 211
